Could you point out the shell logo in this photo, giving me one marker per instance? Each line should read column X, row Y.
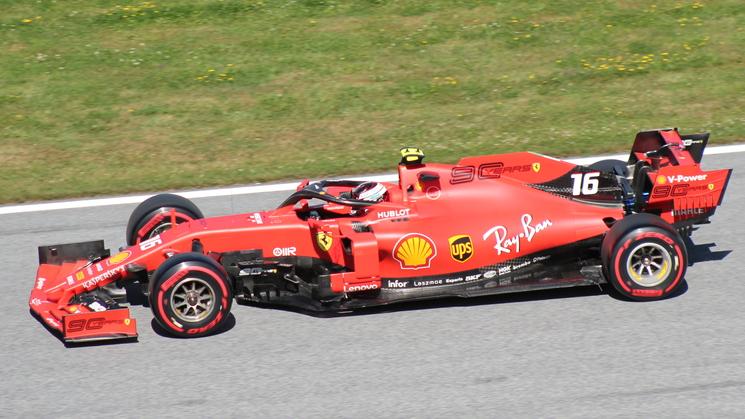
column 661, row 180
column 119, row 257
column 414, row 251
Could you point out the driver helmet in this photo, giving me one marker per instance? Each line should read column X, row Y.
column 369, row 191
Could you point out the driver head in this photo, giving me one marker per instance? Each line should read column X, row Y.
column 369, row 191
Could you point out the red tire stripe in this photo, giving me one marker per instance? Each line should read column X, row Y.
column 619, row 278
column 163, row 313
column 681, row 261
column 642, row 236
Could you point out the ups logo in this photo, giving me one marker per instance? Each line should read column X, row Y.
column 461, row 247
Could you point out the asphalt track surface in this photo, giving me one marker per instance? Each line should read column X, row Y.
column 567, row 353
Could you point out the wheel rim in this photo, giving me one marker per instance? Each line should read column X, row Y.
column 649, row 264
column 192, row 299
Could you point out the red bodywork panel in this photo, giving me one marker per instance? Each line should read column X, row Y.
column 437, row 220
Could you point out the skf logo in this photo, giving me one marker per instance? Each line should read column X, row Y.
column 461, row 248
column 324, row 240
column 536, row 167
column 414, row 251
column 119, row 257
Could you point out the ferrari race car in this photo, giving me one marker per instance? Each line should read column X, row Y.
column 486, row 225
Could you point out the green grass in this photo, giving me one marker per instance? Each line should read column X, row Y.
column 103, row 97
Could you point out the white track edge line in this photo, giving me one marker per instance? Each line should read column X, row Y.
column 276, row 187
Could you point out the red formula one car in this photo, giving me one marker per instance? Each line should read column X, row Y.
column 486, row 225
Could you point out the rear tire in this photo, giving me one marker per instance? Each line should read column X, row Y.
column 164, row 208
column 644, row 257
column 190, row 295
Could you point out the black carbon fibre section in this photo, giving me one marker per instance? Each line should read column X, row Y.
column 575, row 183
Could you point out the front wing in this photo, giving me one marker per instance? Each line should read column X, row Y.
column 96, row 318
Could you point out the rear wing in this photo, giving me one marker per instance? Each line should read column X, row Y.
column 668, row 179
column 667, row 143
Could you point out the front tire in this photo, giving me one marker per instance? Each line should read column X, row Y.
column 645, row 261
column 190, row 295
column 157, row 214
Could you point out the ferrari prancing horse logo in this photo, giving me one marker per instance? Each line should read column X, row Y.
column 324, row 240
column 536, row 167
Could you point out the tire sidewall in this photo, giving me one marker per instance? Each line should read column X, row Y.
column 166, row 281
column 621, row 278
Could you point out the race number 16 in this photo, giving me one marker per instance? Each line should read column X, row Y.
column 585, row 183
